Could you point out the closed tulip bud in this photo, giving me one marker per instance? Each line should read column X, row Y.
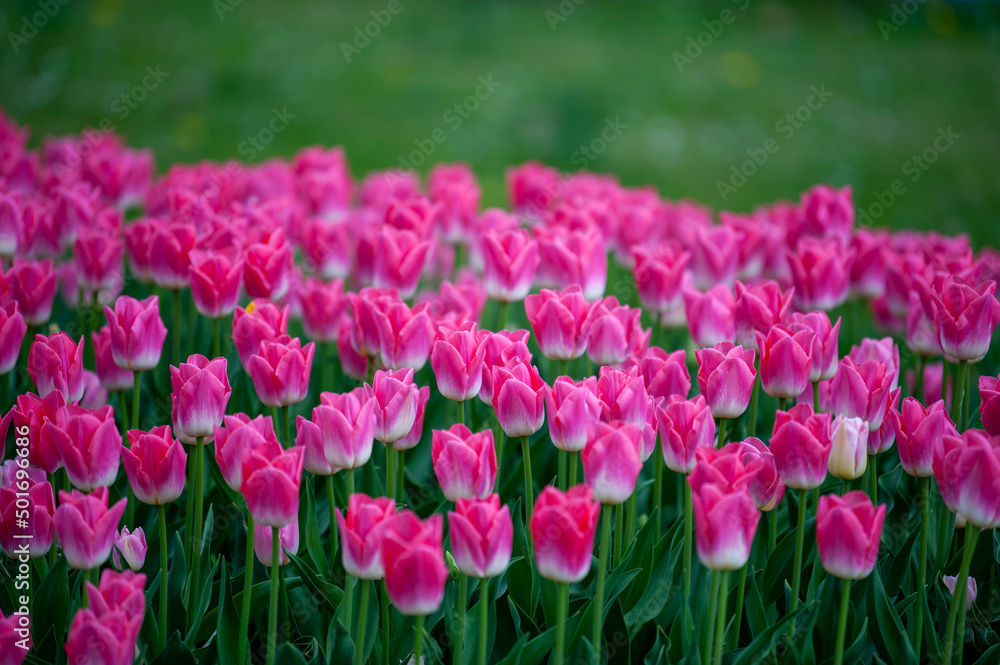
column 132, row 546
column 725, row 520
column 725, row 377
column 361, row 535
column 572, row 408
column 396, row 402
column 137, row 333
column 615, row 333
column 501, row 347
column 154, row 464
column 271, row 480
column 715, row 254
column 465, row 463
column 785, row 361
column 519, row 398
column 883, row 350
column 261, row 321
column 200, row 396
column 989, row 405
column 665, row 374
column 765, row 486
column 684, row 425
column 323, row 304
column 801, row 446
column 280, row 371
column 138, row 242
column 215, row 282
column 848, row 533
column 820, row 271
column 482, row 536
column 399, row 259
column 824, row 353
column 354, row 364
column 862, row 391
column 169, row 256
column 611, row 461
column 56, row 364
column 659, row 275
column 88, row 443
column 573, row 256
column 33, row 285
column 510, row 259
column 86, row 527
column 849, row 454
column 237, row 434
column 457, row 359
column 416, row 432
column 288, row 542
column 881, row 439
column 757, row 308
column 112, row 377
column 98, row 256
column 972, row 589
column 36, row 530
column 405, row 335
column 561, row 321
column 267, row 267
column 415, row 573
column 710, row 315
column 563, row 526
column 367, row 307
column 347, row 425
column 12, row 331
column 967, row 316
column 967, row 468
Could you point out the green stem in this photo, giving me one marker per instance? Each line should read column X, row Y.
column 602, row 570
column 461, row 606
column 287, row 423
column 272, row 618
column 175, row 332
column 816, row 396
column 161, row 516
column 656, row 503
column 216, row 339
column 967, row 391
column 740, row 592
column 400, row 474
column 630, row 518
column 619, row 527
column 136, row 392
column 529, row 496
column 332, row 503
column 244, row 638
column 722, row 433
column 754, row 398
column 873, row 479
column 562, row 475
column 925, row 518
column 348, row 601
column 390, row 471
column 418, row 640
column 772, row 529
column 709, row 633
column 460, row 412
column 688, row 542
column 359, row 643
column 564, row 367
column 720, row 616
column 952, row 645
column 484, row 615
column 946, row 527
column 945, row 370
column 918, row 376
column 385, row 625
column 800, row 534
column 501, row 318
column 845, row 601
column 562, row 610
column 574, row 464
column 959, row 397
column 199, row 480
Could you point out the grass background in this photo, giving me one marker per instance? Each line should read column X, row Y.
column 231, row 62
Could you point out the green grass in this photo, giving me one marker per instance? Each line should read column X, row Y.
column 558, row 87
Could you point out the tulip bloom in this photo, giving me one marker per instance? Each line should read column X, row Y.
column 88, row 443
column 35, row 530
column 665, row 374
column 107, row 630
column 86, row 527
column 725, row 377
column 33, row 412
column 482, row 536
column 725, row 520
column 572, row 408
column 616, row 331
column 347, row 423
column 757, row 308
column 169, row 255
column 361, row 535
column 132, row 547
column 280, row 371
column 684, row 425
column 519, row 398
column 396, row 400
column 215, row 282
column 785, row 361
column 457, row 360
column 623, row 396
column 972, row 589
column 271, row 480
column 405, row 335
column 918, row 430
column 267, row 266
column 237, row 434
column 416, row 432
column 611, row 461
column 563, row 526
column 33, row 285
column 155, row 465
column 989, row 405
column 399, row 259
column 560, row 321
column 824, row 353
column 848, row 533
column 967, row 316
column 98, row 257
column 12, row 331
column 200, row 395
column 56, row 364
column 764, row 486
column 801, row 446
column 366, row 309
column 710, row 315
column 862, row 391
column 849, row 452
column 510, row 259
column 967, row 469
column 659, row 275
column 323, row 303
column 112, row 377
column 465, row 463
column 415, row 572
column 261, row 321
column 137, row 333
column 263, row 543
column 821, row 273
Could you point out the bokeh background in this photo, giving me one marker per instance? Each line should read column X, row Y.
column 562, row 74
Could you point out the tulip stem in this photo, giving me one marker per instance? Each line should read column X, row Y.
column 754, row 398
column 952, row 644
column 815, row 396
column 390, row 471
column 655, row 504
column 564, row 367
column 501, row 319
column 563, row 474
column 688, row 541
column 161, row 515
column 400, row 474
column 602, row 570
column 959, row 396
column 197, row 485
column 562, row 610
column 720, row 615
column 574, row 463
column 873, row 479
column 175, row 333
column 722, row 433
column 359, row 643
column 925, row 518
column 286, row 421
column 332, row 503
column 461, row 606
column 418, row 641
column 772, row 530
column 136, row 389
column 845, row 601
column 460, row 412
column 920, row 363
column 385, row 625
column 713, row 603
column 800, row 533
column 348, row 580
column 244, row 638
column 529, row 497
column 619, row 527
column 740, row 593
column 272, row 618
column 630, row 519
column 484, row 615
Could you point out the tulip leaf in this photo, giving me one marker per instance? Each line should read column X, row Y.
column 204, row 599
column 779, row 564
column 657, row 654
column 149, row 633
column 176, row 653
column 307, row 517
column 259, row 598
column 758, row 618
column 617, row 581
column 901, row 563
column 471, row 649
column 329, row 594
column 50, row 607
column 854, row 651
column 228, row 624
column 762, row 643
column 287, row 654
column 991, row 655
column 890, row 638
column 656, row 592
column 339, row 646
column 176, row 612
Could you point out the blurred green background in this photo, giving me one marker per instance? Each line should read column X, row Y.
column 898, row 73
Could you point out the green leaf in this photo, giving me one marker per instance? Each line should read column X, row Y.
column 50, row 608
column 890, row 637
column 228, row 624
column 200, row 609
column 339, row 645
column 329, row 594
column 657, row 655
column 901, row 563
column 176, row 653
column 286, row 654
column 176, row 613
column 658, row 589
column 617, row 581
column 471, row 649
column 314, row 544
column 259, row 598
column 778, row 568
column 754, row 652
column 854, row 651
column 990, row 656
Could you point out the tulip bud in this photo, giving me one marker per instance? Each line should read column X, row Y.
column 612, row 461
column 415, row 574
column 951, row 581
column 849, row 453
column 482, row 536
column 848, row 532
column 465, row 463
column 132, row 547
column 725, row 377
column 563, row 527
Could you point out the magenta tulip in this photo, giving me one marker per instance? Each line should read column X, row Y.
column 765, row 486
column 725, row 519
column 347, row 422
column 824, row 353
column 415, row 572
column 659, row 275
column 280, row 371
column 457, row 360
column 785, row 361
column 267, row 267
column 137, row 333
column 396, row 401
column 710, row 315
column 361, row 535
column 399, row 259
column 684, row 425
column 323, row 303
column 801, row 445
column 560, row 321
column 989, row 405
column 563, row 526
column 154, row 464
column 482, row 536
column 405, row 335
column 86, row 527
column 12, row 331
column 510, row 259
column 862, row 390
column 261, row 321
column 33, row 285
column 918, row 430
column 615, row 333
column 848, row 533
column 240, row 433
column 271, row 479
column 56, row 364
column 611, row 461
column 725, row 377
column 518, row 398
column 112, row 377
column 756, row 308
column 967, row 470
column 27, row 529
column 572, row 408
column 107, row 630
column 169, row 255
column 132, row 547
column 623, row 396
column 820, row 271
column 665, row 374
column 200, row 395
column 967, row 316
column 89, row 443
column 288, row 542
column 215, row 282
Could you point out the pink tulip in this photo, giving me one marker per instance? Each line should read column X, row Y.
column 968, row 315
column 354, row 364
column 714, row 256
column 361, row 535
column 725, row 517
column 137, row 333
column 659, row 275
column 280, row 371
column 827, row 212
column 665, row 373
column 972, row 589
column 967, row 470
column 347, row 423
column 15, row 637
column 862, row 391
column 112, row 377
column 267, row 266
column 416, row 432
column 820, row 270
column 881, row 440
column 200, row 395
column 725, row 377
column 323, row 303
column 848, row 533
column 563, row 526
column 883, row 350
column 12, row 331
column 415, row 572
column 309, row 437
column 86, row 527
column 261, row 321
column 215, row 282
column 33, row 412
column 56, row 364
column 98, row 256
column 518, row 398
column 501, row 347
column 169, row 260
column 89, row 444
column 271, row 479
column 405, row 335
column 138, row 243
column 288, row 541
column 824, row 353
column 616, row 331
column 611, row 461
column 989, row 405
column 868, row 274
column 573, row 257
column 399, row 260
column 573, row 408
column 465, row 463
column 684, row 425
column 710, row 315
column 396, row 401
column 33, row 285
column 764, row 486
column 107, row 630
column 849, row 452
column 240, row 433
column 366, row 310
column 28, row 527
column 561, row 322
column 510, row 259
column 155, row 465
column 457, row 359
column 482, row 536
column 94, row 396
column 623, row 396
column 923, row 334
column 132, row 546
column 757, row 308
column 918, row 430
column 785, row 361
column 801, row 446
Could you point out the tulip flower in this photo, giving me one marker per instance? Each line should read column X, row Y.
column 137, row 333
column 132, row 546
column 415, row 572
column 989, row 405
column 280, row 371
column 501, row 347
column 849, row 451
column 261, row 321
column 725, row 520
column 972, row 589
column 801, row 446
column 785, row 361
column 396, row 399
column 482, row 536
column 32, row 413
column 238, row 434
column 764, row 485
column 361, row 535
column 684, row 425
column 366, row 308
column 457, row 360
column 271, row 479
column 623, row 396
column 138, row 243
column 347, row 424
column 510, row 259
column 573, row 256
column 352, row 363
column 107, row 630
column 267, row 267
column 824, row 352
column 714, row 256
column 155, row 465
column 399, row 259
column 33, row 285
column 416, row 432
column 561, row 321
column 572, row 408
column 12, row 331
column 821, row 271
column 725, row 377
column 200, row 395
column 215, row 282
column 862, row 390
column 882, row 439
column 169, row 256
column 923, row 322
column 919, row 428
column 659, row 275
column 112, row 377
column 32, row 526
column 665, row 374
column 967, row 316
column 98, row 256
column 288, row 542
column 848, row 533
column 323, row 303
column 405, row 335
column 611, row 462
column 15, row 637
column 89, row 443
column 86, row 527
column 465, row 464
column 710, row 315
column 616, row 331
column 563, row 527
column 967, row 469
column 56, row 364
column 757, row 308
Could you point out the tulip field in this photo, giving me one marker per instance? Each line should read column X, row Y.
column 286, row 414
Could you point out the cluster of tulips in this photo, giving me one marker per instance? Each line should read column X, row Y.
column 396, row 282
